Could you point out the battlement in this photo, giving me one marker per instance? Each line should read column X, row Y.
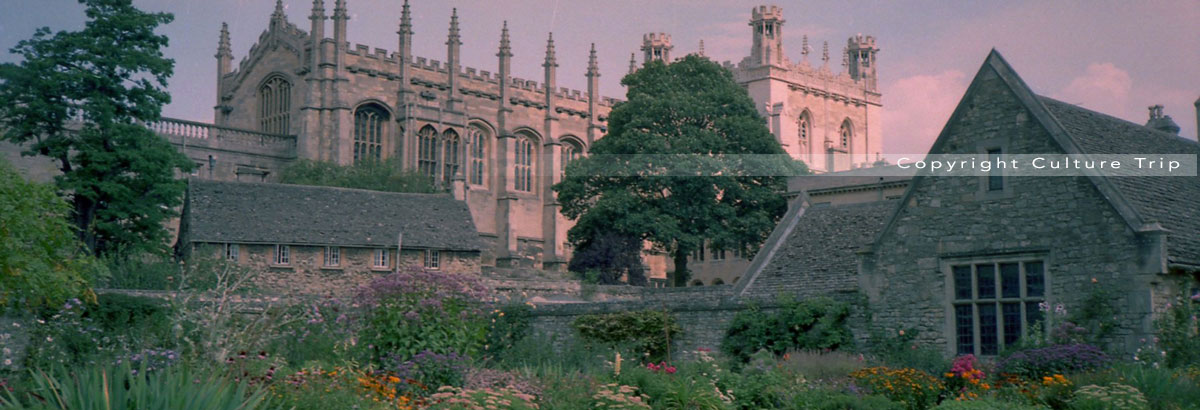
column 859, row 41
column 766, row 12
column 655, row 39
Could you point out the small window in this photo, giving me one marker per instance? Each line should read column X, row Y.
column 381, row 259
column 995, row 179
column 282, row 254
column 231, row 252
column 333, row 256
column 433, row 259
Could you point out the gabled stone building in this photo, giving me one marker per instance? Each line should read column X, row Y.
column 319, row 239
column 966, row 261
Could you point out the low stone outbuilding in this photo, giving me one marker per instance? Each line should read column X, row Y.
column 966, row 261
column 321, row 239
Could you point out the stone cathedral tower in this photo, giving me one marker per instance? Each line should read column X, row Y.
column 828, row 119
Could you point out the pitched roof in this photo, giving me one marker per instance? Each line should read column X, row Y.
column 244, row 212
column 815, row 252
column 1142, row 201
column 1173, row 202
column 851, row 178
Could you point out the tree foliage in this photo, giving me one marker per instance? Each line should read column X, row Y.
column 681, row 142
column 40, row 260
column 374, row 175
column 612, row 255
column 80, row 97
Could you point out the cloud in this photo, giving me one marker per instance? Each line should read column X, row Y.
column 1102, row 87
column 916, row 108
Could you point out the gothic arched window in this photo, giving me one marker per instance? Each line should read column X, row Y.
column 804, row 129
column 427, row 151
column 571, row 150
column 452, row 160
column 477, row 139
column 370, row 125
column 847, row 133
column 274, row 106
column 523, row 166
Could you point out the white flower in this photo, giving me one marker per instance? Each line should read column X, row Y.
column 8, row 362
column 15, row 324
column 7, row 351
column 49, row 339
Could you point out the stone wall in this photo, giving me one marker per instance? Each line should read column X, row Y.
column 1063, row 221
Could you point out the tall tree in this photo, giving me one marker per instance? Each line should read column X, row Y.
column 687, row 160
column 81, row 98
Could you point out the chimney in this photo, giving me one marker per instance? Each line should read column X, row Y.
column 1197, row 105
column 1161, row 122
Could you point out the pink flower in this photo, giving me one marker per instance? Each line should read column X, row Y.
column 670, row 370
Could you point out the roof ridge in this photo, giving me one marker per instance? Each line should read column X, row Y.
column 302, row 186
column 1115, row 118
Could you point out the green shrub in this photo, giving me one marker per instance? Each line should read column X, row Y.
column 813, row 324
column 420, row 310
column 123, row 387
column 510, row 323
column 760, row 384
column 147, row 317
column 987, row 404
column 915, row 388
column 386, row 175
column 648, row 332
column 822, row 366
column 619, row 397
column 901, row 349
column 819, row 399
column 1114, row 396
column 1178, row 333
column 687, row 388
column 453, row 398
column 1163, row 388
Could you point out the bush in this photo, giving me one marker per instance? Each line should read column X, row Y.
column 1163, row 388
column 385, row 175
column 619, row 397
column 146, row 318
column 822, row 367
column 420, row 310
column 818, row 399
column 813, row 324
column 427, row 371
column 687, row 388
column 1114, row 396
column 648, row 332
column 902, row 350
column 483, row 378
column 1178, row 332
column 760, row 384
column 338, row 388
column 1055, row 359
column 986, row 404
column 453, row 398
column 318, row 333
column 509, row 325
column 915, row 388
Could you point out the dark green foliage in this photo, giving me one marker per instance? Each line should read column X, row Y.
column 40, row 260
column 111, row 77
column 671, row 168
column 1178, row 333
column 373, row 175
column 831, row 400
column 902, row 350
column 147, row 317
column 1096, row 314
column 811, row 324
column 123, row 387
column 610, row 256
column 510, row 324
column 647, row 332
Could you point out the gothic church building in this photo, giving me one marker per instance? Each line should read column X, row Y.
column 497, row 142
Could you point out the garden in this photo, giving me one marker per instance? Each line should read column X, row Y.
column 419, row 339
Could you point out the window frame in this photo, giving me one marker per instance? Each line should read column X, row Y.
column 477, row 142
column 370, row 132
column 283, row 255
column 274, row 105
column 380, row 259
column 231, row 252
column 428, row 141
column 998, row 300
column 334, row 254
column 433, row 259
column 523, row 164
column 451, row 154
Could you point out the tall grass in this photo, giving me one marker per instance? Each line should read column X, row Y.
column 122, row 387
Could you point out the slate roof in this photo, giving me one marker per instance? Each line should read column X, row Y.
column 850, row 178
column 819, row 253
column 242, row 212
column 1173, row 202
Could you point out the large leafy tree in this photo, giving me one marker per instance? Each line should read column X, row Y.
column 687, row 160
column 40, row 260
column 80, row 97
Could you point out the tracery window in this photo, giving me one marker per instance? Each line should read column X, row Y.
column 274, row 106
column 523, row 166
column 427, row 151
column 370, row 122
column 846, row 132
column 570, row 152
column 451, row 161
column 477, row 148
column 804, row 129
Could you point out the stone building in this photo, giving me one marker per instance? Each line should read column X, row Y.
column 318, row 239
column 966, row 261
column 498, row 142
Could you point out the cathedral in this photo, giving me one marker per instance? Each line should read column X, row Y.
column 497, row 142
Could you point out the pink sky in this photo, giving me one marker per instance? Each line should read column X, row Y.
column 1115, row 57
